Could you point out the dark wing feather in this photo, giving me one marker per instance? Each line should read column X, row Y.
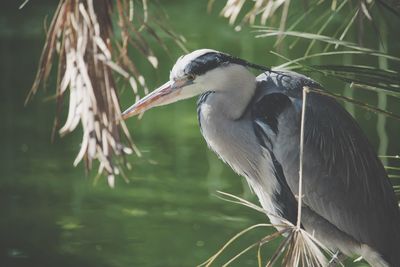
column 344, row 181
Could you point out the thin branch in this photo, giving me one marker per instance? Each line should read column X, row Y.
column 208, row 262
column 300, row 194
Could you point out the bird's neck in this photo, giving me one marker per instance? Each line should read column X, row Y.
column 234, row 92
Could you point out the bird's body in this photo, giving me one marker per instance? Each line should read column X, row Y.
column 253, row 124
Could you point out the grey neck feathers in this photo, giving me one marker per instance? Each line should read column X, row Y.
column 234, row 87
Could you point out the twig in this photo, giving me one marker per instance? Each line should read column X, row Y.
column 23, row 4
column 300, row 195
column 208, row 262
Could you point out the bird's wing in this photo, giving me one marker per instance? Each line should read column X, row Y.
column 344, row 181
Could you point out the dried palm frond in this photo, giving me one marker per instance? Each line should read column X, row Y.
column 266, row 9
column 298, row 248
column 263, row 8
column 81, row 36
column 319, row 15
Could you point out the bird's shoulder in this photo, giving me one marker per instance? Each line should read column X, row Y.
column 276, row 92
column 285, row 82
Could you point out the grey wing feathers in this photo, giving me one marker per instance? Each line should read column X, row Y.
column 344, row 181
column 287, row 83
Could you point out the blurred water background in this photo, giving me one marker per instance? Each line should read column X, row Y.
column 167, row 215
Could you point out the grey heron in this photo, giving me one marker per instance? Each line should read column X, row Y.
column 253, row 124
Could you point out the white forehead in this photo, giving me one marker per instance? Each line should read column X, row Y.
column 179, row 67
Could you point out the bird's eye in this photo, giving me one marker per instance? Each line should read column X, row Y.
column 190, row 77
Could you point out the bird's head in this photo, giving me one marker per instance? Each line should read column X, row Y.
column 193, row 74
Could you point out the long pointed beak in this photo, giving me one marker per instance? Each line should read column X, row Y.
column 161, row 96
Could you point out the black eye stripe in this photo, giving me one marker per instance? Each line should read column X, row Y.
column 205, row 63
column 212, row 60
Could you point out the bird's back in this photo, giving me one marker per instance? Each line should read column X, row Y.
column 344, row 181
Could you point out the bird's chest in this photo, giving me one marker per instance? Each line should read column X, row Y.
column 234, row 141
column 227, row 138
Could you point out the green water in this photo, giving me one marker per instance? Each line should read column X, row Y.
column 167, row 215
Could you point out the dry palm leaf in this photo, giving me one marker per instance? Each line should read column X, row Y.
column 324, row 14
column 81, row 36
column 298, row 248
column 266, row 9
